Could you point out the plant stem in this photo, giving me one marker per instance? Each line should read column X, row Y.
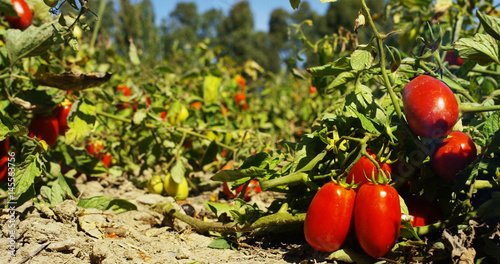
column 428, row 229
column 102, row 8
column 380, row 45
column 467, row 108
column 280, row 218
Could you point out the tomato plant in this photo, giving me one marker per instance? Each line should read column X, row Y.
column 363, row 170
column 329, row 218
column 377, row 218
column 252, row 188
column 430, row 107
column 453, row 154
column 24, row 18
column 45, row 128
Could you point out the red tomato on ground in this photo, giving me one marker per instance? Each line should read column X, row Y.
column 422, row 212
column 46, row 128
column 4, row 168
column 453, row 59
column 62, row 118
column 453, row 154
column 25, row 16
column 329, row 217
column 363, row 167
column 377, row 218
column 430, row 107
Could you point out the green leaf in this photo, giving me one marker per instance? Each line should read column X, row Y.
column 80, row 121
column 490, row 208
column 340, row 80
column 104, row 203
column 120, row 206
column 490, row 24
column 26, row 173
column 350, row 256
column 492, row 125
column 218, row 208
column 259, row 160
column 9, row 127
column 220, row 242
column 178, row 170
column 295, row 3
column 366, row 123
column 139, row 116
column 481, row 48
column 132, row 54
column 328, row 1
column 7, row 8
column 361, row 59
column 337, row 67
column 233, row 175
column 211, row 86
column 31, row 42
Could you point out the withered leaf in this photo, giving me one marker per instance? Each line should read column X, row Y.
column 69, row 81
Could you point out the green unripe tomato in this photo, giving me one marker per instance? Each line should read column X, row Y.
column 51, row 3
column 77, row 32
column 155, row 185
column 179, row 116
column 172, row 188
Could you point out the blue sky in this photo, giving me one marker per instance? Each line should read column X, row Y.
column 261, row 9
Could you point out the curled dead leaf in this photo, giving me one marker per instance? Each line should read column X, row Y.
column 69, row 81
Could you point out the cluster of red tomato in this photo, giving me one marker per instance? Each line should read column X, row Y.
column 373, row 210
column 48, row 127
column 336, row 209
column 240, row 97
column 431, row 111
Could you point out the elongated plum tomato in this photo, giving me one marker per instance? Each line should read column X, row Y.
column 45, row 128
column 453, row 154
column 365, row 166
column 329, row 217
column 62, row 117
column 25, row 16
column 377, row 218
column 430, row 107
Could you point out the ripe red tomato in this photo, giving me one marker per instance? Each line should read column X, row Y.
column 430, row 107
column 25, row 16
column 240, row 99
column 127, row 92
column 95, row 149
column 253, row 188
column 453, row 154
column 45, row 128
column 62, row 118
column 453, row 59
column 106, row 160
column 377, row 218
column 312, row 89
column 4, row 168
column 196, row 105
column 422, row 211
column 4, row 147
column 363, row 167
column 329, row 217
